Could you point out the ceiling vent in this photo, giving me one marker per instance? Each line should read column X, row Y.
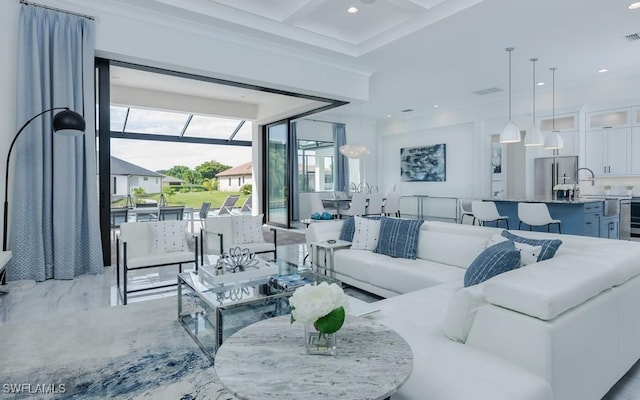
column 487, row 91
column 633, row 37
column 407, row 110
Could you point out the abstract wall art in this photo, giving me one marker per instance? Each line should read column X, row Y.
column 424, row 164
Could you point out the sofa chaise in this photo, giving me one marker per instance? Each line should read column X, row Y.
column 565, row 328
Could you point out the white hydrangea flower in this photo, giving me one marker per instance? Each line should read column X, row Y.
column 311, row 302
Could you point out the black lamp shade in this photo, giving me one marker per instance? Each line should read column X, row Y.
column 68, row 123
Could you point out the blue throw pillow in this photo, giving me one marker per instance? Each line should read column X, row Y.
column 349, row 228
column 494, row 260
column 549, row 246
column 399, row 237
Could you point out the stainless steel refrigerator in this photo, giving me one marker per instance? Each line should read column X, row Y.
column 552, row 171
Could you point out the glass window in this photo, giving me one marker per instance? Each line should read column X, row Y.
column 315, row 165
column 217, row 128
column 118, row 116
column 155, row 121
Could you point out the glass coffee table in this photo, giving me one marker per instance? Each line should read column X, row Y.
column 213, row 307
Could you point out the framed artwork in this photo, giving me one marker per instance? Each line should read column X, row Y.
column 424, row 164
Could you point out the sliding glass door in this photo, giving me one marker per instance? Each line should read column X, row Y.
column 277, row 175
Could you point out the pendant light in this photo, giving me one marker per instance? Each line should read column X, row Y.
column 553, row 140
column 534, row 137
column 355, row 151
column 510, row 133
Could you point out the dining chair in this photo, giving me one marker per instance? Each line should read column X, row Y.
column 172, row 213
column 536, row 214
column 392, row 204
column 357, row 206
column 465, row 210
column 486, row 211
column 374, row 207
column 229, row 203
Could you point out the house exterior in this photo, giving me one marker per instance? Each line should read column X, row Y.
column 171, row 181
column 232, row 179
column 126, row 176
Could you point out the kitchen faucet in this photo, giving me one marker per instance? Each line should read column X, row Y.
column 593, row 177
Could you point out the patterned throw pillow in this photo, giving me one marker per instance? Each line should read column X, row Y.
column 528, row 254
column 366, row 234
column 549, row 246
column 169, row 236
column 494, row 260
column 399, row 237
column 248, row 229
column 349, row 228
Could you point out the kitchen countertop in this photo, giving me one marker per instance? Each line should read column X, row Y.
column 580, row 200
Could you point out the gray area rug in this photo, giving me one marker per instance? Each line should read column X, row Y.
column 139, row 351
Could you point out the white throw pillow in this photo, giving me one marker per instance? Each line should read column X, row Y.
column 528, row 254
column 366, row 234
column 248, row 229
column 169, row 236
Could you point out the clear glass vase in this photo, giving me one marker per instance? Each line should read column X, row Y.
column 319, row 343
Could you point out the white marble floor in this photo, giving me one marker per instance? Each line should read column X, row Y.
column 54, row 298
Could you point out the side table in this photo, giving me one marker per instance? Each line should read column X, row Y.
column 330, row 247
column 268, row 361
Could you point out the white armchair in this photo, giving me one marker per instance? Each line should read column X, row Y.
column 143, row 245
column 224, row 232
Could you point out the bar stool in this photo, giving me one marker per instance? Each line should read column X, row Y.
column 486, row 211
column 536, row 214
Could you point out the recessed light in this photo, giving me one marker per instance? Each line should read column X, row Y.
column 634, row 6
column 352, row 10
column 435, row 106
column 540, row 84
column 388, row 115
column 603, row 70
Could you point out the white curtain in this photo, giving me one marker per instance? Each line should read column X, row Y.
column 53, row 211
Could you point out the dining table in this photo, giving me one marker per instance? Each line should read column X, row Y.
column 337, row 203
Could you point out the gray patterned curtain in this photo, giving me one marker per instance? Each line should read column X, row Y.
column 53, row 211
column 341, row 163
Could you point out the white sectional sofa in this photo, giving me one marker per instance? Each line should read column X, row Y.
column 566, row 328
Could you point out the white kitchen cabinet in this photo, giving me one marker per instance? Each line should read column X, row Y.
column 608, row 151
column 635, row 150
column 609, row 119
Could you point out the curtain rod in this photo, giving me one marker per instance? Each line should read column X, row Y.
column 29, row 3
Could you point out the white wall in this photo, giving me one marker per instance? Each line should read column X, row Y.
column 151, row 186
column 121, row 185
column 224, row 186
column 480, row 123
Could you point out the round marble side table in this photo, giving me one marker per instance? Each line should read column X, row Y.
column 268, row 360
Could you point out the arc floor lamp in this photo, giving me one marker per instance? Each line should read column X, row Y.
column 66, row 123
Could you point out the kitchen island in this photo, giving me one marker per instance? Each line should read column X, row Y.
column 584, row 217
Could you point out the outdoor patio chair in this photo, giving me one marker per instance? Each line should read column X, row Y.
column 118, row 216
column 204, row 211
column 246, row 206
column 174, row 213
column 227, row 206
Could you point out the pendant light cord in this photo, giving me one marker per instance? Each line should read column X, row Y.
column 509, row 49
column 534, row 89
column 553, row 99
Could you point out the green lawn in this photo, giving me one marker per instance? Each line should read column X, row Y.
column 193, row 199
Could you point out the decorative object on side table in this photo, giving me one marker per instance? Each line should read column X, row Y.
column 322, row 308
column 237, row 260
